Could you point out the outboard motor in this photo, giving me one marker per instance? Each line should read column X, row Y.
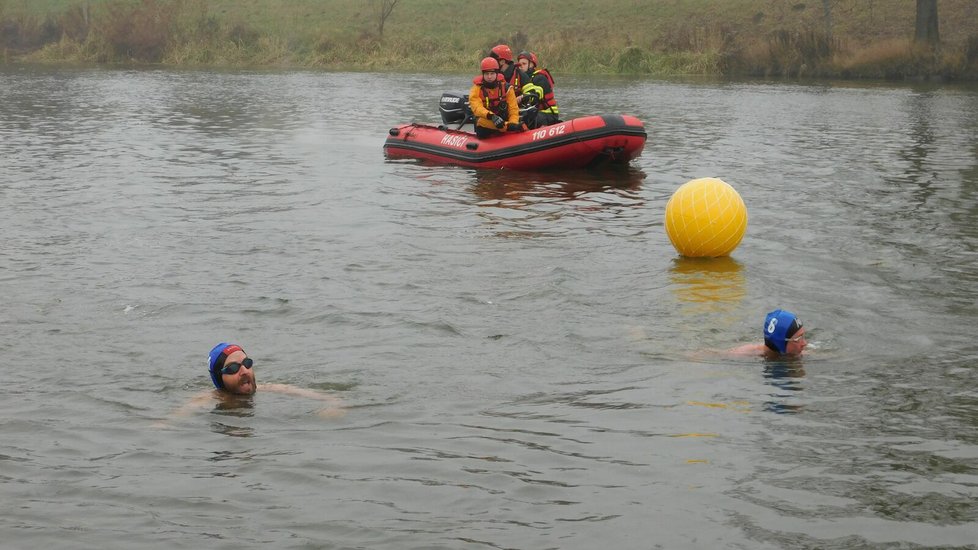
column 454, row 108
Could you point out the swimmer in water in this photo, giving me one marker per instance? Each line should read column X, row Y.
column 233, row 375
column 784, row 336
column 231, row 369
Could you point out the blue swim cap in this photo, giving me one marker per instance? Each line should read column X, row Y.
column 215, row 361
column 779, row 325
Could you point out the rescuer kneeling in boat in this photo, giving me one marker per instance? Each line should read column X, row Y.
column 493, row 102
column 539, row 92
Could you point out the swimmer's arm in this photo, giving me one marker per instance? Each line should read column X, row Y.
column 748, row 349
column 333, row 408
column 293, row 390
column 196, row 403
column 742, row 350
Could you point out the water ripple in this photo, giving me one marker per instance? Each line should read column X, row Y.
column 525, row 360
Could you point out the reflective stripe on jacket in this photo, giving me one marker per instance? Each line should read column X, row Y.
column 516, row 77
column 548, row 103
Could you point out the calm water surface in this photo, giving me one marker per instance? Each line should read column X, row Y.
column 525, row 360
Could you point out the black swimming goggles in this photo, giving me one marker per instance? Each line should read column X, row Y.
column 233, row 368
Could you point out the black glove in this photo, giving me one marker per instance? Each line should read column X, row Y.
column 514, row 127
column 498, row 121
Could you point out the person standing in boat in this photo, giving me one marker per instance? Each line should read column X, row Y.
column 538, row 91
column 510, row 70
column 493, row 102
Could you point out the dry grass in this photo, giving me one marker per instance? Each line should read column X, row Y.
column 757, row 37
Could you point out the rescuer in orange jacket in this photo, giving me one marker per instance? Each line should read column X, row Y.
column 493, row 102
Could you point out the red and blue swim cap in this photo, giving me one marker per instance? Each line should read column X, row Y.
column 215, row 361
column 779, row 325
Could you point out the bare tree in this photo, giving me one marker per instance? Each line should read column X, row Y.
column 827, row 14
column 384, row 9
column 925, row 30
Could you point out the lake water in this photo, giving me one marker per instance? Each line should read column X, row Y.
column 525, row 360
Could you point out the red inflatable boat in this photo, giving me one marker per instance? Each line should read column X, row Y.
column 576, row 143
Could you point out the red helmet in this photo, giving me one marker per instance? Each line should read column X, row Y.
column 529, row 56
column 503, row 52
column 489, row 64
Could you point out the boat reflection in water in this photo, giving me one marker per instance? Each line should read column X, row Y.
column 609, row 186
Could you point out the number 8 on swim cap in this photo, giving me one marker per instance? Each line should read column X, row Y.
column 777, row 324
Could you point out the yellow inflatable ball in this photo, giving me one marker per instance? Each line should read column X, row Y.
column 705, row 218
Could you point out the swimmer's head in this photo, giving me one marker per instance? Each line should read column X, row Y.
column 215, row 361
column 779, row 326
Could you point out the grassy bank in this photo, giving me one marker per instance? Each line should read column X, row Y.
column 865, row 39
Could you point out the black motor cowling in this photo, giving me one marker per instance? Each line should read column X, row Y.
column 454, row 108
